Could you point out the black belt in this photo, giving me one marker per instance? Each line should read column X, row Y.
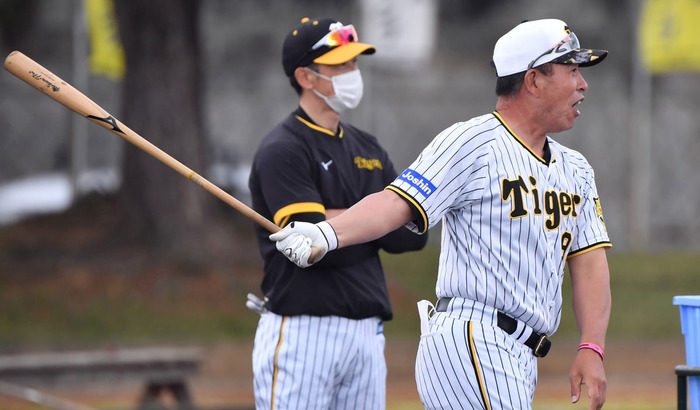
column 539, row 344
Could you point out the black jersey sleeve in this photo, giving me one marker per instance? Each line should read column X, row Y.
column 402, row 240
column 284, row 172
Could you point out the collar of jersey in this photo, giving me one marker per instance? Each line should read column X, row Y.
column 304, row 118
column 539, row 158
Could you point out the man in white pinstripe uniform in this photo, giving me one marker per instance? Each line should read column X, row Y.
column 515, row 207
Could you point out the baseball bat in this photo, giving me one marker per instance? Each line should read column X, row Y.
column 45, row 81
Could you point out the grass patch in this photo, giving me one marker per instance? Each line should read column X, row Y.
column 80, row 309
column 642, row 286
column 74, row 308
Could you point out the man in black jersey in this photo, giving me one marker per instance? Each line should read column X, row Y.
column 320, row 342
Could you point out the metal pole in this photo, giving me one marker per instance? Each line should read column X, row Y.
column 78, row 137
column 639, row 143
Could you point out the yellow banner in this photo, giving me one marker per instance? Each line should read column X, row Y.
column 106, row 52
column 670, row 35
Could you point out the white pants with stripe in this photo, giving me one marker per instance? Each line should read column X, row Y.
column 311, row 362
column 463, row 364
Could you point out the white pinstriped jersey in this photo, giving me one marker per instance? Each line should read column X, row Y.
column 510, row 218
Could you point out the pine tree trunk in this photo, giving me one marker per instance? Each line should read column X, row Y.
column 162, row 100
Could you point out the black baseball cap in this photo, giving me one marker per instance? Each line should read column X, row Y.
column 322, row 41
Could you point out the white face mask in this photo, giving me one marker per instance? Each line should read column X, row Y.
column 347, row 87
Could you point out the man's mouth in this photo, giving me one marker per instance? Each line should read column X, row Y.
column 575, row 106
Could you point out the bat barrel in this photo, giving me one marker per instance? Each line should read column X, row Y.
column 50, row 84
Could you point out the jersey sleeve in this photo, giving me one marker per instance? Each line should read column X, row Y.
column 591, row 232
column 286, row 183
column 446, row 175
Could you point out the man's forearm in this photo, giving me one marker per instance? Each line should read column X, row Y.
column 332, row 213
column 590, row 280
column 371, row 218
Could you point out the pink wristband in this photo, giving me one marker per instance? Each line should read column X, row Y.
column 593, row 347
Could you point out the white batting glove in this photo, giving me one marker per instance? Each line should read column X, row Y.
column 296, row 240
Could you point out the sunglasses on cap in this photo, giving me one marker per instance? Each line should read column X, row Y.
column 569, row 43
column 338, row 36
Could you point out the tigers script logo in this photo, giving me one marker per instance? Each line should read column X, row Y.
column 369, row 164
column 554, row 204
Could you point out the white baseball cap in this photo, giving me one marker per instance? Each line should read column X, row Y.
column 533, row 43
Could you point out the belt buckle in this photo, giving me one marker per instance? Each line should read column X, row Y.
column 542, row 347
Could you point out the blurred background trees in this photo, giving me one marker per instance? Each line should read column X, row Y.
column 162, row 98
column 232, row 60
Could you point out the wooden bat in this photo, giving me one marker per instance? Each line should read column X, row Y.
column 45, row 81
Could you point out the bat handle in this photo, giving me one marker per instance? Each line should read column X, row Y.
column 313, row 258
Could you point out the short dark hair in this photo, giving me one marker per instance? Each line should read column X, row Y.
column 295, row 84
column 293, row 80
column 510, row 85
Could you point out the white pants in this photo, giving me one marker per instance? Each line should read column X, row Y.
column 311, row 362
column 464, row 364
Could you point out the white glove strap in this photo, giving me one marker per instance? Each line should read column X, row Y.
column 425, row 311
column 329, row 233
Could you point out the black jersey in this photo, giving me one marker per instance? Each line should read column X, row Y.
column 299, row 171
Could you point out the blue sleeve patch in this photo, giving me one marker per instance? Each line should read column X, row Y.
column 417, row 181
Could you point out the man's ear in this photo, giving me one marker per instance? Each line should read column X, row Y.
column 532, row 81
column 305, row 79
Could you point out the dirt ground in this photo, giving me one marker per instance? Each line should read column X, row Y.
column 638, row 372
column 640, row 376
